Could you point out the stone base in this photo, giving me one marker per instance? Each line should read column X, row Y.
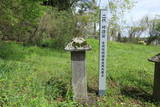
column 81, row 100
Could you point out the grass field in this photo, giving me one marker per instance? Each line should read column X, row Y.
column 32, row 76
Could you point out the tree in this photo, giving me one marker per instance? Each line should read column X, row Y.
column 116, row 22
column 154, row 30
column 135, row 32
column 93, row 11
column 94, row 15
column 19, row 18
column 61, row 5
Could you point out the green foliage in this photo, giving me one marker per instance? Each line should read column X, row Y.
column 19, row 19
column 56, row 88
column 156, row 23
column 152, row 38
column 154, row 27
column 59, row 26
column 43, row 77
column 33, row 21
column 116, row 21
column 11, row 51
column 61, row 5
column 23, row 84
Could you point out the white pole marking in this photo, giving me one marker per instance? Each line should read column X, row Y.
column 103, row 52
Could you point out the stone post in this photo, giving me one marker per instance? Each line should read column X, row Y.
column 156, row 88
column 78, row 48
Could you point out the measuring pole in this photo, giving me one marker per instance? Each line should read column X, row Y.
column 103, row 51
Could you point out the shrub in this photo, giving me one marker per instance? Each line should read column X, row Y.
column 152, row 38
column 11, row 50
column 59, row 26
column 56, row 88
column 19, row 18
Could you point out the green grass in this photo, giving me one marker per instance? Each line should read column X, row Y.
column 31, row 76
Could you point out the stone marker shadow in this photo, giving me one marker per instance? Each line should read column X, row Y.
column 92, row 96
column 93, row 90
column 138, row 94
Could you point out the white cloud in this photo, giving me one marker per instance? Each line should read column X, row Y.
column 143, row 8
column 102, row 3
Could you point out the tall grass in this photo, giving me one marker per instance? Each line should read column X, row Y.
column 41, row 77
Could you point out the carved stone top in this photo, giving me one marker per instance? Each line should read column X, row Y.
column 78, row 44
column 156, row 58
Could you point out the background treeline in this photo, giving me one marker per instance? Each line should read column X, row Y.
column 33, row 21
column 143, row 31
column 19, row 18
column 54, row 22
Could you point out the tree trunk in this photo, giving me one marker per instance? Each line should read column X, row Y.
column 94, row 30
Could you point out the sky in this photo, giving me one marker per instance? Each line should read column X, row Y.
column 102, row 3
column 142, row 8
